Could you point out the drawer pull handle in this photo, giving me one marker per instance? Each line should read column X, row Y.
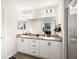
column 34, row 41
column 34, row 46
column 49, row 43
column 22, row 40
column 34, row 52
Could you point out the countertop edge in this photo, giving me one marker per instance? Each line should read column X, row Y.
column 56, row 39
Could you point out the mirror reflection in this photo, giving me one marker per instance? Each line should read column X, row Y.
column 39, row 26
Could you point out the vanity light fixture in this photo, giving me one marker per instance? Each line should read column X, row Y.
column 46, row 11
column 50, row 10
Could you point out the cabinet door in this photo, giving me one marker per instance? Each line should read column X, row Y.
column 44, row 49
column 23, row 45
column 26, row 46
column 55, row 50
column 19, row 45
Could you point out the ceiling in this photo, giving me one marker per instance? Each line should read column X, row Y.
column 32, row 4
column 32, row 1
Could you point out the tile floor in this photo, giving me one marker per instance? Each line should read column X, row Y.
column 24, row 56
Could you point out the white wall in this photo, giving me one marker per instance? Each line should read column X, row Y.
column 2, row 33
column 61, row 21
column 10, row 28
column 2, row 30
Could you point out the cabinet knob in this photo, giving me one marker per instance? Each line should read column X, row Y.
column 49, row 43
column 22, row 40
column 34, row 46
column 34, row 41
column 33, row 51
column 1, row 37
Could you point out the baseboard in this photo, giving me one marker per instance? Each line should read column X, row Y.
column 12, row 54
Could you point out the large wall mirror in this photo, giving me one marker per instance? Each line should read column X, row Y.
column 39, row 25
column 49, row 25
column 21, row 25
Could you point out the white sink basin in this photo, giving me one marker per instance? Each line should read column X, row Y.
column 25, row 36
column 48, row 38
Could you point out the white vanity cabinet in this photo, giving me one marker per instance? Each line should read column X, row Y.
column 44, row 49
column 55, row 49
column 29, row 46
column 50, row 49
column 40, row 48
column 23, row 45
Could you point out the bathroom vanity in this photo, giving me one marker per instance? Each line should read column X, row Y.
column 40, row 47
column 37, row 36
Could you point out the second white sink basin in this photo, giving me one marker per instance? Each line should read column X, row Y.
column 48, row 38
column 25, row 36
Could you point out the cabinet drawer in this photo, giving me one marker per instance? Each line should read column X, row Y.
column 35, row 52
column 35, row 42
column 34, row 46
